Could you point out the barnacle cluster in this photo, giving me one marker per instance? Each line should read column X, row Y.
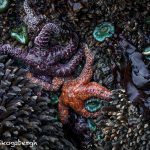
column 103, row 67
column 9, row 19
column 122, row 127
column 25, row 114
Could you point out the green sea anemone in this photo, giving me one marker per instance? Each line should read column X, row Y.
column 103, row 31
column 20, row 34
column 93, row 105
column 146, row 53
column 4, row 4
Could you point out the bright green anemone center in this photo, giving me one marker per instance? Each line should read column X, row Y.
column 103, row 31
column 93, row 105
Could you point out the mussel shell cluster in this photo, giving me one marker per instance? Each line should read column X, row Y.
column 25, row 114
column 122, row 127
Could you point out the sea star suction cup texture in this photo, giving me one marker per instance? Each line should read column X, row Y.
column 76, row 92
column 47, row 61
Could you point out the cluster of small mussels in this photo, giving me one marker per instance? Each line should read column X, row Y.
column 122, row 127
column 79, row 15
column 26, row 114
column 12, row 28
column 135, row 26
column 106, row 62
column 103, row 68
column 9, row 19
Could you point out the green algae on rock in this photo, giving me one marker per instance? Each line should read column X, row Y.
column 93, row 105
column 103, row 31
column 146, row 53
column 4, row 4
column 20, row 34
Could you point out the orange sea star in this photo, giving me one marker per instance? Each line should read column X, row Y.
column 75, row 92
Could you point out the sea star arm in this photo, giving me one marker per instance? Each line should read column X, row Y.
column 31, row 19
column 64, row 111
column 87, row 71
column 14, row 52
column 63, row 52
column 93, row 89
column 54, row 86
column 27, row 8
column 71, row 48
column 43, row 38
column 24, row 56
column 69, row 68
